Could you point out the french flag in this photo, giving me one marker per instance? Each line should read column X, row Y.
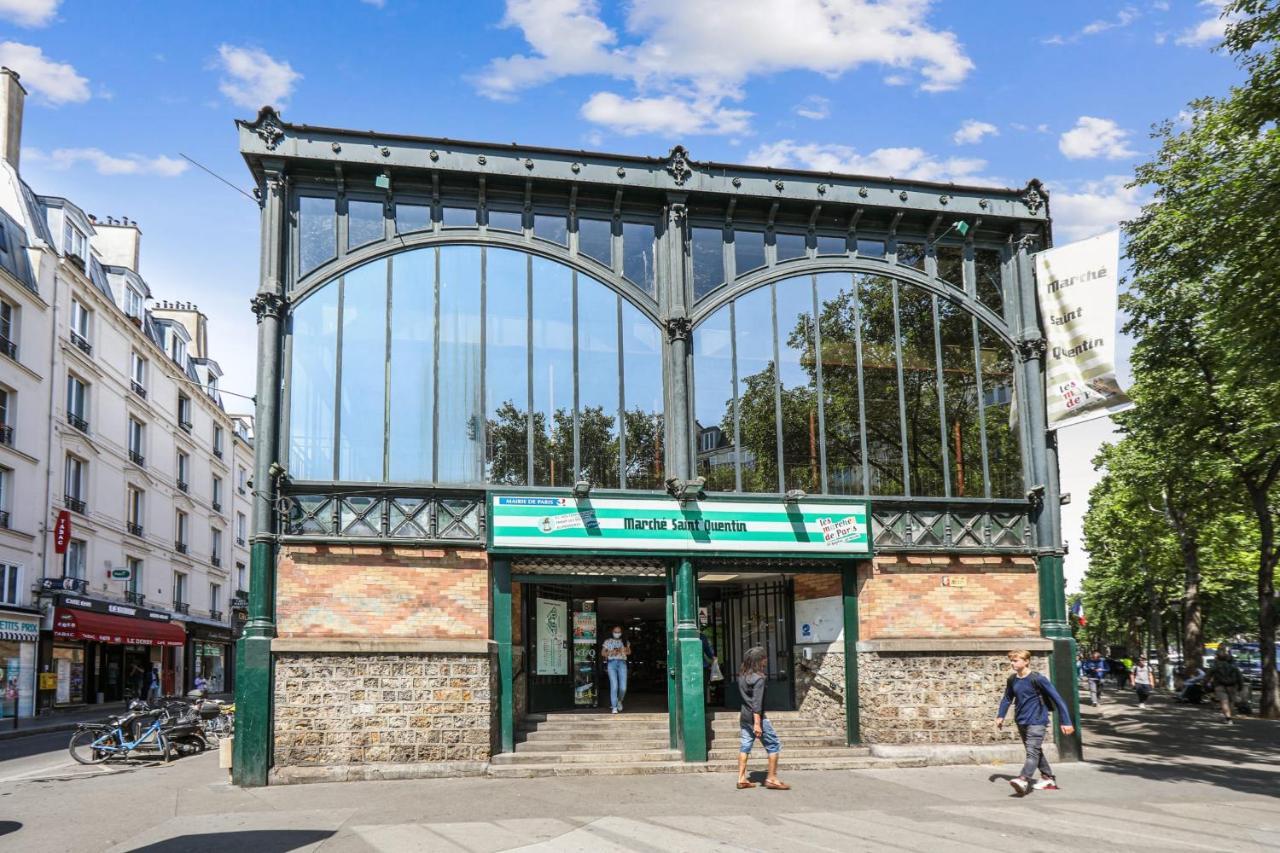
column 1077, row 610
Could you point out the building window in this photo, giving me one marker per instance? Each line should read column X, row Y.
column 748, row 251
column 77, row 403
column 212, row 386
column 242, row 577
column 317, row 232
column 553, row 228
column 457, row 217
column 242, row 478
column 80, row 326
column 788, row 247
column 412, row 217
column 75, row 559
column 242, row 527
column 595, row 239
column 8, row 410
column 178, row 351
column 180, row 531
column 6, row 487
column 10, row 583
column 134, row 585
column 365, row 223
column 133, row 303
column 215, row 546
column 137, row 442
column 217, row 494
column 707, row 248
column 215, row 598
column 217, row 441
column 138, row 374
column 184, row 471
column 180, row 592
column 76, row 486
column 136, row 511
column 506, row 220
column 184, row 412
column 9, row 329
column 638, row 241
column 74, row 242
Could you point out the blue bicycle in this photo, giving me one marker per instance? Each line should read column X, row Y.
column 94, row 743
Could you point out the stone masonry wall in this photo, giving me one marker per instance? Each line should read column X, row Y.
column 820, row 684
column 376, row 591
column 934, row 697
column 342, row 709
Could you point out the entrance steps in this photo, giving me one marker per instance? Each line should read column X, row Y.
column 594, row 744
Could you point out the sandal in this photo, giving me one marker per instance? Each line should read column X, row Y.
column 776, row 786
column 742, row 785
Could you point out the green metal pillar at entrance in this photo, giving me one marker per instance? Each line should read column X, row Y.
column 673, row 664
column 849, row 591
column 501, row 580
column 693, row 717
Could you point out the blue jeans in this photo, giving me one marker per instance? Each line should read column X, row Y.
column 772, row 746
column 617, row 670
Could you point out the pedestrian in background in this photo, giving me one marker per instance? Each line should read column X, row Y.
column 615, row 652
column 1032, row 693
column 1226, row 679
column 1142, row 681
column 753, row 722
column 1095, row 672
column 153, row 683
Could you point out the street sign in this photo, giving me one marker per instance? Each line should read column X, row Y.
column 120, row 574
column 62, row 532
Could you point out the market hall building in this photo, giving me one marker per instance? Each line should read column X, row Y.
column 511, row 396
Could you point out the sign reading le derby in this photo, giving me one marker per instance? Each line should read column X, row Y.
column 646, row 524
column 113, row 608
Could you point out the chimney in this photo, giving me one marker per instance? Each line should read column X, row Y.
column 12, row 98
column 118, row 243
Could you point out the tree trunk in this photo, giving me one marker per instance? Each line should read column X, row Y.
column 1269, row 706
column 1192, row 626
column 1155, row 625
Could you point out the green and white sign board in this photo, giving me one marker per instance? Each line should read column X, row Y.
column 530, row 522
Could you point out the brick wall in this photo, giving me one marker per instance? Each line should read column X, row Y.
column 904, row 596
column 815, row 585
column 375, row 591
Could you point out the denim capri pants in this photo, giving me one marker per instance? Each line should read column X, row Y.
column 772, row 746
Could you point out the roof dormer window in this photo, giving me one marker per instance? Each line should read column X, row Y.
column 178, row 351
column 133, row 302
column 74, row 242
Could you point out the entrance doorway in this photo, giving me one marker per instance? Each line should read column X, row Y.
column 739, row 611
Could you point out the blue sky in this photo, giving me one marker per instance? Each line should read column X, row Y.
column 992, row 91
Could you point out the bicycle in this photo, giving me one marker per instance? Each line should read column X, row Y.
column 94, row 743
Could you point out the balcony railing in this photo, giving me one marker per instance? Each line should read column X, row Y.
column 181, row 607
column 6, row 434
column 4, row 518
column 215, row 615
column 217, row 451
column 184, row 486
column 215, row 561
column 240, row 541
column 135, row 598
column 77, row 422
column 180, row 547
column 84, row 345
column 137, row 388
column 186, row 425
column 137, row 459
column 217, row 506
column 73, row 504
column 8, row 347
column 240, row 489
column 135, row 530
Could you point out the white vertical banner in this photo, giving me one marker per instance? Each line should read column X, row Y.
column 553, row 637
column 1077, row 286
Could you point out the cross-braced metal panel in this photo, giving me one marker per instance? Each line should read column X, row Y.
column 950, row 529
column 390, row 517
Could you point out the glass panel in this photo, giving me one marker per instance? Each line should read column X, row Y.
column 708, row 260
column 713, row 401
column 507, row 367
column 413, row 313
column 598, row 383
column 552, row 311
column 317, row 232
column 920, row 390
column 507, row 220
column 637, row 253
column 911, row 255
column 364, row 359
column 798, row 373
column 989, row 289
column 412, row 217
column 880, row 381
column 960, row 389
column 312, row 383
column 595, row 239
column 828, row 245
column 364, row 222
column 459, row 410
column 553, row 228
column 951, row 265
column 642, row 377
column 457, row 217
column 836, row 315
column 748, row 250
column 870, row 248
column 789, row 246
column 1004, row 460
column 753, row 328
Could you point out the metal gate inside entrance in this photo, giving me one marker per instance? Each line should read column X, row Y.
column 746, row 614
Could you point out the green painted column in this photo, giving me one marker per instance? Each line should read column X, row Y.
column 673, row 664
column 849, row 591
column 500, row 578
column 693, row 717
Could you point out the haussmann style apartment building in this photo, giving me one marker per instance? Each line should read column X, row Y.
column 512, row 396
column 124, row 483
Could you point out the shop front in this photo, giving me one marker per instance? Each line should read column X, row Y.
column 19, row 636
column 209, row 656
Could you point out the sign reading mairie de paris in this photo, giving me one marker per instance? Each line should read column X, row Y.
column 650, row 524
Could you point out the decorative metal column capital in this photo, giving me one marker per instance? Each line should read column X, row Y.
column 1034, row 196
column 679, row 328
column 268, row 127
column 1031, row 348
column 678, row 165
column 267, row 304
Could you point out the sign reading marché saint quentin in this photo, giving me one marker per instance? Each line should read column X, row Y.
column 530, row 522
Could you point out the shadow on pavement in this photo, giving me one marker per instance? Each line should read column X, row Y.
column 9, row 826
column 255, row 840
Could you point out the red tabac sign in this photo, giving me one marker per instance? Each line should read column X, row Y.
column 62, row 532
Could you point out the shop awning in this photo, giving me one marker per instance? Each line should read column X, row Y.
column 105, row 628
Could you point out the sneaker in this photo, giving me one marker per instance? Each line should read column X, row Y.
column 614, row 711
column 1022, row 786
column 619, row 706
column 1142, row 705
column 1046, row 783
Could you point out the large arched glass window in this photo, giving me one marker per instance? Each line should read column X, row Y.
column 853, row 384
column 465, row 365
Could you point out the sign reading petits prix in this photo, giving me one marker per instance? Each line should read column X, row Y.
column 649, row 524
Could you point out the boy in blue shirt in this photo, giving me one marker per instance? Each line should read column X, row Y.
column 1032, row 693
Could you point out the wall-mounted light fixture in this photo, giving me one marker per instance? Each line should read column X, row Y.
column 795, row 495
column 687, row 490
column 582, row 489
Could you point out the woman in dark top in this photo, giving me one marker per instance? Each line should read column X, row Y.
column 751, row 684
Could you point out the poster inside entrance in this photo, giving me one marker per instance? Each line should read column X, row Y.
column 553, row 637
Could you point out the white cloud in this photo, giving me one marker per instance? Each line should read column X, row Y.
column 1092, row 207
column 813, row 107
column 1123, row 18
column 1095, row 137
column 666, row 114
column 55, row 82
column 914, row 163
column 107, row 164
column 694, row 50
column 253, row 78
column 29, row 13
column 972, row 131
column 1209, row 31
